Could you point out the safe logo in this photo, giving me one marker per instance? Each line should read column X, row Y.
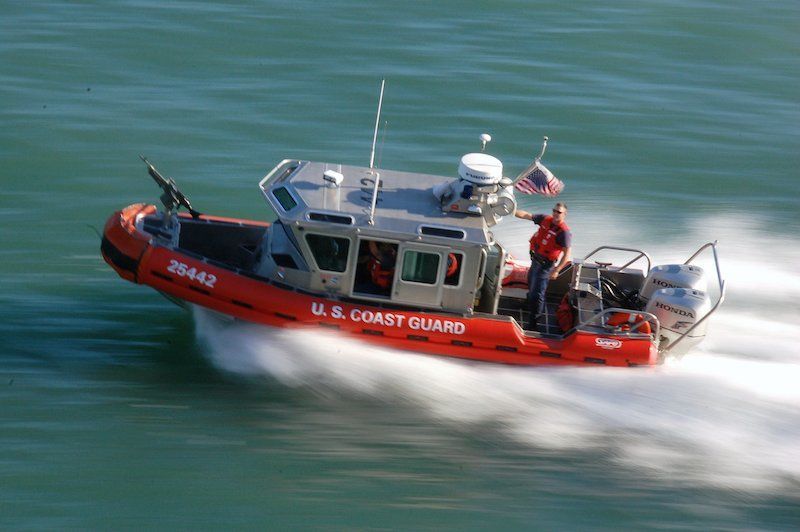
column 607, row 343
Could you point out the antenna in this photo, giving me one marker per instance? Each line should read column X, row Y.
column 377, row 120
column 383, row 140
column 372, row 159
column 485, row 137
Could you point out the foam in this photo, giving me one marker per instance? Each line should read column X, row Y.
column 727, row 414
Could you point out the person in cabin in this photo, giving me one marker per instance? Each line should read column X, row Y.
column 550, row 249
column 381, row 266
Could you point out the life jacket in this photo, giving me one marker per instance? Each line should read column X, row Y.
column 380, row 277
column 543, row 243
column 565, row 315
column 627, row 320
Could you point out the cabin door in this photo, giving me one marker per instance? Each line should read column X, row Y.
column 421, row 270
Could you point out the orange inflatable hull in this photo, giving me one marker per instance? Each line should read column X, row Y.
column 136, row 258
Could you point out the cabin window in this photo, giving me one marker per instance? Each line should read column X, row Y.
column 442, row 232
column 330, row 252
column 420, row 267
column 330, row 218
column 453, row 273
column 285, row 198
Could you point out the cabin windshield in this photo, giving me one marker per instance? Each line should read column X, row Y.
column 284, row 248
column 330, row 252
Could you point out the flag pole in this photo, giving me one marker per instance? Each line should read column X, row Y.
column 534, row 163
column 537, row 179
column 544, row 147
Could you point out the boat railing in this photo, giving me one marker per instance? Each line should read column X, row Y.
column 720, row 299
column 639, row 254
column 601, row 320
column 279, row 174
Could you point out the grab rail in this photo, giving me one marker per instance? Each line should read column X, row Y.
column 713, row 246
column 599, row 319
column 637, row 257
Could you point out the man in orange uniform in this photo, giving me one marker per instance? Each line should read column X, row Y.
column 384, row 257
column 550, row 253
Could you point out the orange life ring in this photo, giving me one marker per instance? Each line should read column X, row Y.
column 628, row 320
column 452, row 265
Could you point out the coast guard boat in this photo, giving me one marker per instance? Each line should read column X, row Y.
column 408, row 261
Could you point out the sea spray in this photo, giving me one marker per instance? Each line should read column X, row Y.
column 725, row 415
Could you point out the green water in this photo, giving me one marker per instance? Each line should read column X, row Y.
column 672, row 123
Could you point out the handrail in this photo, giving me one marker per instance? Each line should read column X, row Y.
column 713, row 246
column 637, row 257
column 649, row 318
column 482, row 269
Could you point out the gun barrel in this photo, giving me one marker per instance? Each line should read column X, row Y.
column 155, row 174
column 172, row 197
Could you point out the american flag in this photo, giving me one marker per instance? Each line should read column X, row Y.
column 537, row 179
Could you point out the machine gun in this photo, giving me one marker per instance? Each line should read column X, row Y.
column 172, row 198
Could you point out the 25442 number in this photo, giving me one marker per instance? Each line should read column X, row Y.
column 183, row 270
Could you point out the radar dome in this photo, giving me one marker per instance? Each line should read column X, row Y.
column 480, row 169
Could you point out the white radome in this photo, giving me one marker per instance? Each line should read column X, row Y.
column 480, row 169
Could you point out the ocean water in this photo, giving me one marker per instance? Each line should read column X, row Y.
column 672, row 124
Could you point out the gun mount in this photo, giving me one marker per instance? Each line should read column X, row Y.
column 172, row 198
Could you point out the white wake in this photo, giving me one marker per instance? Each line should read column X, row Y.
column 727, row 414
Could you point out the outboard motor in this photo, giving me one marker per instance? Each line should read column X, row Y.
column 676, row 294
column 481, row 189
column 673, row 276
column 677, row 310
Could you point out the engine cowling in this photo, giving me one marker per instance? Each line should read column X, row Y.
column 678, row 310
column 673, row 276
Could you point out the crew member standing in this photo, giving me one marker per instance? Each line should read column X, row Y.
column 550, row 253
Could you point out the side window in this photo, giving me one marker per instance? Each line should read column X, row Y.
column 452, row 277
column 419, row 267
column 330, row 252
